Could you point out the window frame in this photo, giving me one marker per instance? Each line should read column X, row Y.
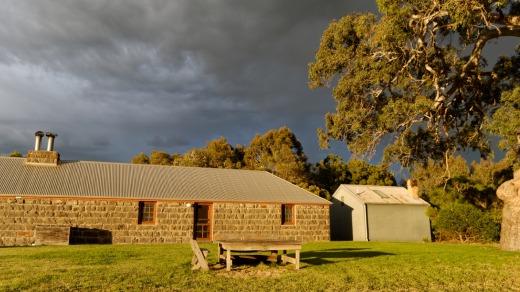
column 143, row 213
column 284, row 216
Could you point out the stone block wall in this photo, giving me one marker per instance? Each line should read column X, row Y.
column 43, row 157
column 263, row 221
column 111, row 221
column 92, row 221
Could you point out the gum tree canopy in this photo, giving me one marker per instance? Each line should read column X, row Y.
column 416, row 76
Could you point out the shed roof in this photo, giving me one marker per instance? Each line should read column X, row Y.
column 380, row 194
column 86, row 179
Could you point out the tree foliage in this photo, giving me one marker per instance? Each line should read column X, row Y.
column 279, row 152
column 160, row 158
column 363, row 173
column 16, row 153
column 331, row 172
column 140, row 159
column 216, row 154
column 416, row 76
column 464, row 195
column 465, row 222
column 441, row 185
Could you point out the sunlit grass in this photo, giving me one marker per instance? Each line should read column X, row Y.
column 330, row 266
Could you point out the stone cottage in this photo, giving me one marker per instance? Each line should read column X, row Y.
column 379, row 213
column 46, row 200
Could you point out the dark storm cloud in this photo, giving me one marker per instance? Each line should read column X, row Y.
column 115, row 78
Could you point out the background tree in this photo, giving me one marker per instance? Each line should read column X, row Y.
column 216, row 154
column 160, row 158
column 16, row 153
column 140, row 159
column 279, row 152
column 331, row 172
column 363, row 173
column 417, row 76
column 464, row 194
column 221, row 154
column 465, row 222
column 195, row 157
column 435, row 175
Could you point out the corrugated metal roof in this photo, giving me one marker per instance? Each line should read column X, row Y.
column 85, row 179
column 391, row 194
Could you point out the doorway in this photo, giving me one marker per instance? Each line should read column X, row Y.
column 202, row 222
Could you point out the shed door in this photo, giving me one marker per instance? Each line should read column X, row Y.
column 202, row 226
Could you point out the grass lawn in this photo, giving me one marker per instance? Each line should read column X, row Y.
column 325, row 266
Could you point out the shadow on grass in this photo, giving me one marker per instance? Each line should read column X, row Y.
column 314, row 258
column 328, row 256
column 246, row 260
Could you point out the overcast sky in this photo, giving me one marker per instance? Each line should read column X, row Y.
column 116, row 78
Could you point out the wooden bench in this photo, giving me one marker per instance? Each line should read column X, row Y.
column 260, row 245
column 199, row 258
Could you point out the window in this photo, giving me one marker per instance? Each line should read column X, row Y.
column 381, row 194
column 146, row 213
column 287, row 214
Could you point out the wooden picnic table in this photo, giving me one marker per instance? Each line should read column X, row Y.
column 261, row 245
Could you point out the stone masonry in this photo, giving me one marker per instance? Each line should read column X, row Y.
column 19, row 219
column 111, row 221
column 263, row 221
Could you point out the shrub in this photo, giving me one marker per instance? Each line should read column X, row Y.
column 465, row 222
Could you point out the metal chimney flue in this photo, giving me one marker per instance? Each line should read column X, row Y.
column 50, row 142
column 38, row 135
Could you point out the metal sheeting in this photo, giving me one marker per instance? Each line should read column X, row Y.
column 84, row 179
column 394, row 195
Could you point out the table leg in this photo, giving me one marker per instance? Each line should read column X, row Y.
column 228, row 260
column 297, row 259
column 219, row 253
column 274, row 256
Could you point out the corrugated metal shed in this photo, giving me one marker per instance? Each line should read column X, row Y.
column 83, row 179
column 383, row 195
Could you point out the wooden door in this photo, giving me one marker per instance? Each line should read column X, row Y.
column 202, row 226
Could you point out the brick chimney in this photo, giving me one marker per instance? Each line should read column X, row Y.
column 413, row 189
column 47, row 157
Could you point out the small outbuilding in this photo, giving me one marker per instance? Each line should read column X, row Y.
column 46, row 200
column 379, row 213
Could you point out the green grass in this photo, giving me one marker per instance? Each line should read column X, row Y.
column 329, row 266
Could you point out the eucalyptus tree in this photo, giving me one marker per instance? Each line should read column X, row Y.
column 217, row 153
column 415, row 77
column 279, row 152
column 160, row 158
column 140, row 159
column 16, row 153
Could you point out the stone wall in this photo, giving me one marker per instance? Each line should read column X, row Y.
column 111, row 221
column 93, row 221
column 43, row 157
column 263, row 221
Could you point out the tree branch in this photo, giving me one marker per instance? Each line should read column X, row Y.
column 481, row 42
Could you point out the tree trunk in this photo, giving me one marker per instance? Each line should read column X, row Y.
column 509, row 193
